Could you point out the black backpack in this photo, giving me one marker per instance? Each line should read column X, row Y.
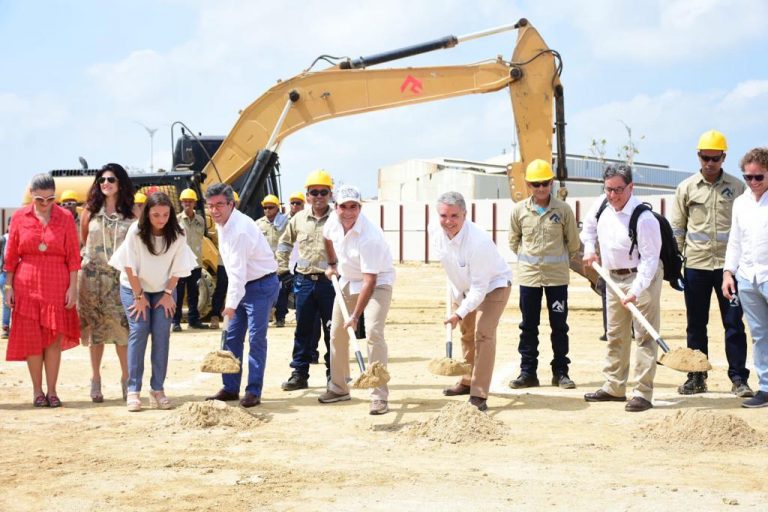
column 670, row 254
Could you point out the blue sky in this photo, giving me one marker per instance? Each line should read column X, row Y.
column 78, row 76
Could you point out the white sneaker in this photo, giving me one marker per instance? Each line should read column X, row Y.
column 379, row 407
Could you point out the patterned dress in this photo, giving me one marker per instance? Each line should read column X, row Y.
column 41, row 258
column 99, row 303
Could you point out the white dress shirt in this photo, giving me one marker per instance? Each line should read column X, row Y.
column 361, row 250
column 472, row 263
column 747, row 251
column 245, row 253
column 153, row 270
column 612, row 232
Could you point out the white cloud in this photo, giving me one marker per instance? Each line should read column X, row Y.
column 19, row 115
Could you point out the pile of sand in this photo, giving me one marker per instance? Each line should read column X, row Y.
column 450, row 367
column 220, row 361
column 213, row 413
column 458, row 422
column 375, row 375
column 697, row 428
column 685, row 359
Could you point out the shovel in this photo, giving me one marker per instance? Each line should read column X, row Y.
column 376, row 375
column 680, row 359
column 221, row 361
column 447, row 365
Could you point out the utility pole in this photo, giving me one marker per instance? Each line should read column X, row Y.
column 151, row 132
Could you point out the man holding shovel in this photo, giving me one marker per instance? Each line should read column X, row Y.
column 701, row 221
column 251, row 291
column 359, row 253
column 639, row 276
column 480, row 282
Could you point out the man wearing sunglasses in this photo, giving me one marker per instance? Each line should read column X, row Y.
column 273, row 224
column 701, row 220
column 69, row 202
column 544, row 235
column 314, row 291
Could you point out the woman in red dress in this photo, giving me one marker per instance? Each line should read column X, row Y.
column 41, row 264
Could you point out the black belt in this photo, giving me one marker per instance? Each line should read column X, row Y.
column 319, row 276
column 265, row 276
column 624, row 271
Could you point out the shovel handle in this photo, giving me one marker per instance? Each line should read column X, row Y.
column 448, row 327
column 631, row 306
column 345, row 315
column 224, row 327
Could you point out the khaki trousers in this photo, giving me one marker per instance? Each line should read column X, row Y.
column 478, row 340
column 620, row 323
column 375, row 318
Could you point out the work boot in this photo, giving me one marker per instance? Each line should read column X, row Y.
column 295, row 382
column 696, row 383
column 215, row 322
column 525, row 380
column 742, row 389
column 280, row 322
column 176, row 328
column 563, row 381
column 197, row 325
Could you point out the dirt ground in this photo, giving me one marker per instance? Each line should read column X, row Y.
column 559, row 452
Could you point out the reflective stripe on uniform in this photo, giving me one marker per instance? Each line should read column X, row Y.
column 535, row 260
column 704, row 237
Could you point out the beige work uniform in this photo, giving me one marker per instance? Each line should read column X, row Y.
column 194, row 230
column 701, row 219
column 273, row 230
column 544, row 243
column 307, row 231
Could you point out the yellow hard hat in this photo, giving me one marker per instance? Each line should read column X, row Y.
column 298, row 196
column 319, row 177
column 188, row 193
column 139, row 198
column 69, row 195
column 270, row 199
column 713, row 140
column 237, row 196
column 539, row 170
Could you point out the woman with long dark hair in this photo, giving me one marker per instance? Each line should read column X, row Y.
column 41, row 265
column 107, row 215
column 153, row 257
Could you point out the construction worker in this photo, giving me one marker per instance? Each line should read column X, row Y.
column 138, row 204
column 701, row 222
column 746, row 262
column 273, row 224
column 638, row 275
column 480, row 283
column 314, row 291
column 544, row 235
column 69, row 201
column 194, row 229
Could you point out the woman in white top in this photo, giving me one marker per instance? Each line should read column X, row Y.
column 153, row 257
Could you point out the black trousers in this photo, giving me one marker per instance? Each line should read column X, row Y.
column 189, row 284
column 530, row 307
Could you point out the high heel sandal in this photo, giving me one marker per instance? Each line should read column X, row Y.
column 96, row 395
column 158, row 400
column 133, row 401
column 40, row 401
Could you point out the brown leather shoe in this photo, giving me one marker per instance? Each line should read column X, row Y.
column 250, row 400
column 224, row 396
column 458, row 389
column 638, row 404
column 602, row 396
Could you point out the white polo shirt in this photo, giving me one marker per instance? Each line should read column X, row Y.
column 361, row 250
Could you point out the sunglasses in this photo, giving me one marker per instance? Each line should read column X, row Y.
column 539, row 184
column 107, row 179
column 44, row 200
column 715, row 159
column 754, row 177
column 296, row 203
column 269, row 207
column 315, row 193
column 69, row 203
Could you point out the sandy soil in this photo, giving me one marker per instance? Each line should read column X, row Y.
column 559, row 452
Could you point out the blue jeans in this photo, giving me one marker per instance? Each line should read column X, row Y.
column 6, row 309
column 754, row 300
column 698, row 293
column 530, row 308
column 159, row 326
column 313, row 297
column 252, row 314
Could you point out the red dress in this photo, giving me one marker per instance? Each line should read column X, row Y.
column 40, row 282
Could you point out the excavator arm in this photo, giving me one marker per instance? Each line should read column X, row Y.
column 532, row 78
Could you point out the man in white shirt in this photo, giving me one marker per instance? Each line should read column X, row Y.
column 359, row 254
column 746, row 260
column 480, row 282
column 639, row 274
column 251, row 291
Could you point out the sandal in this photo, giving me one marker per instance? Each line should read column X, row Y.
column 133, row 401
column 158, row 400
column 96, row 395
column 40, row 401
column 53, row 401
